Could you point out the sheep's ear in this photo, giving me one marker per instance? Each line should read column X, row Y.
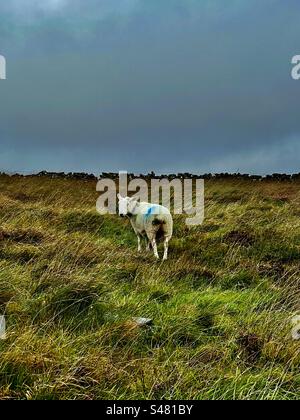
column 119, row 196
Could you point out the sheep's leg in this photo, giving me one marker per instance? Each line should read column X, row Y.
column 166, row 246
column 154, row 246
column 148, row 247
column 139, row 243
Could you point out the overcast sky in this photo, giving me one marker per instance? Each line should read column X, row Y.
column 168, row 85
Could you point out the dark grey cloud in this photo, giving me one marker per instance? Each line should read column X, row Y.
column 139, row 85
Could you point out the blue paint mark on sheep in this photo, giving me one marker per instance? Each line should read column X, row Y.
column 149, row 211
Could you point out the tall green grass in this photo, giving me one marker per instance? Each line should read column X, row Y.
column 71, row 281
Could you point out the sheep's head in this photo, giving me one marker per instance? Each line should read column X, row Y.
column 127, row 206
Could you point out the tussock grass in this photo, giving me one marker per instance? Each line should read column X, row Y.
column 71, row 281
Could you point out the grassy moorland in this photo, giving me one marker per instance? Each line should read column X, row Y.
column 71, row 281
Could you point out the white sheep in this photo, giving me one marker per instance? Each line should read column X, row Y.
column 150, row 221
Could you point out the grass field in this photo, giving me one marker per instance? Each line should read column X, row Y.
column 71, row 281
